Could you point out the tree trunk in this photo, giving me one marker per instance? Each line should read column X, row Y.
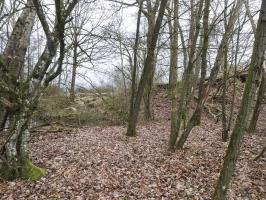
column 228, row 31
column 256, row 111
column 147, row 97
column 14, row 160
column 230, row 120
column 185, row 82
column 225, row 131
column 196, row 116
column 238, row 131
column 173, row 69
column 15, row 150
column 74, row 70
column 134, row 72
column 15, row 52
column 147, row 72
column 193, row 83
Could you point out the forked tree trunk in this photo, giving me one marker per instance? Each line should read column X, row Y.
column 15, row 150
column 14, row 160
column 134, row 68
column 196, row 116
column 238, row 131
column 185, row 83
column 15, row 52
column 147, row 72
column 193, row 83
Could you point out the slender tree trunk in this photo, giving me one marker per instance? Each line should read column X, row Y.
column 196, row 116
column 192, row 29
column 147, row 97
column 256, row 111
column 228, row 31
column 125, row 104
column 185, row 82
column 234, row 80
column 183, row 43
column 134, row 73
column 238, row 131
column 74, row 70
column 224, row 83
column 253, row 25
column 193, row 83
column 225, row 130
column 147, row 72
column 173, row 68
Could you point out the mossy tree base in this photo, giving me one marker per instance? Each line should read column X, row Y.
column 27, row 171
column 31, row 171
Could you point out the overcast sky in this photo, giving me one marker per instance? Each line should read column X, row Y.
column 103, row 13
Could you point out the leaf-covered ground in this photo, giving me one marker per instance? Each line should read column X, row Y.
column 102, row 163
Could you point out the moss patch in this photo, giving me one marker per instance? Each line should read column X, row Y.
column 6, row 173
column 31, row 171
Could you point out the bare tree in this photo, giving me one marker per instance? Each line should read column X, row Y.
column 238, row 131
column 195, row 118
column 15, row 51
column 147, row 71
column 15, row 161
column 173, row 29
column 134, row 69
column 186, row 80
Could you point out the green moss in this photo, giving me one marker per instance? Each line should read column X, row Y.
column 31, row 171
column 56, row 127
column 6, row 173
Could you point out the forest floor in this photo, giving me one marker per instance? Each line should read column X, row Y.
column 100, row 162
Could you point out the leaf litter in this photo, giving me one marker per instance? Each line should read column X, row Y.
column 102, row 163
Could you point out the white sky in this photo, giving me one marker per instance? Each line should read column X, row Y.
column 108, row 12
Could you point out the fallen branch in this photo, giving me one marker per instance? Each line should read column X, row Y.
column 260, row 154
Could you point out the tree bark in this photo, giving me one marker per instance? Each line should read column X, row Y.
column 196, row 116
column 256, row 111
column 15, row 160
column 15, row 52
column 134, row 69
column 185, row 82
column 225, row 131
column 228, row 31
column 173, row 69
column 147, row 72
column 147, row 96
column 238, row 131
column 74, row 70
